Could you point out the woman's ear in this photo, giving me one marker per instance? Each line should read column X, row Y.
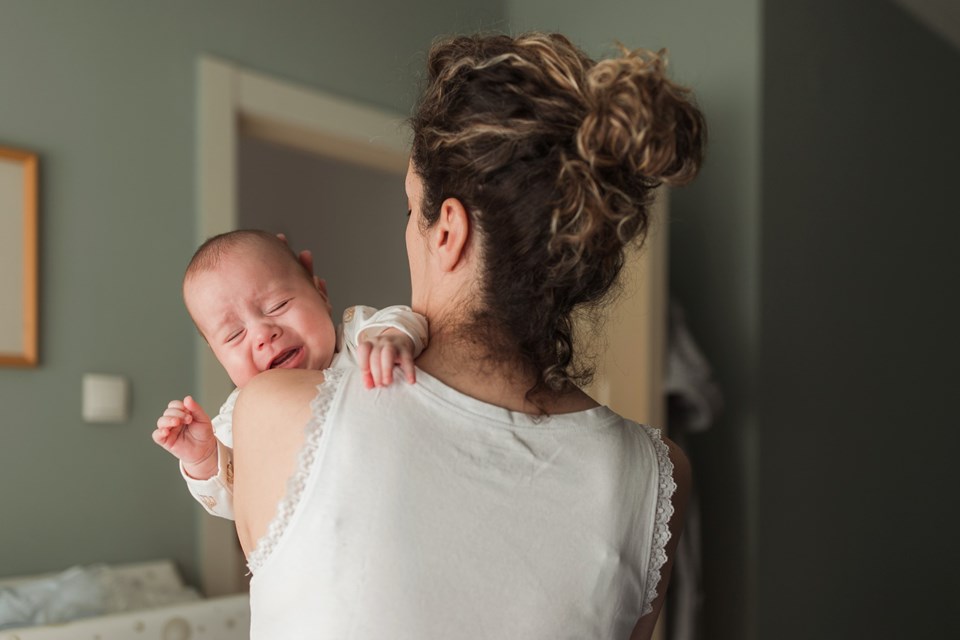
column 451, row 234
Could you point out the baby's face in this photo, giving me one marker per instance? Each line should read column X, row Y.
column 260, row 312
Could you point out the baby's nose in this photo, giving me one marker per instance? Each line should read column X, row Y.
column 267, row 334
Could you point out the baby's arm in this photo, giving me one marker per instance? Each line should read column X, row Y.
column 378, row 340
column 206, row 462
column 215, row 494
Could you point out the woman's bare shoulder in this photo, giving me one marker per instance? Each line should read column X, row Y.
column 277, row 385
column 268, row 432
column 272, row 410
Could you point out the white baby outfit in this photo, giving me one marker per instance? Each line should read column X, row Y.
column 418, row 512
column 216, row 493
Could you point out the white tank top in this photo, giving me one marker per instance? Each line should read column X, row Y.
column 418, row 512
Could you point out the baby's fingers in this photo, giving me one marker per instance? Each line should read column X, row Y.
column 169, row 422
column 184, row 416
column 408, row 367
column 363, row 357
column 374, row 364
column 388, row 355
column 194, row 410
column 161, row 435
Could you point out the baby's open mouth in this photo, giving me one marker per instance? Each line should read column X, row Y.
column 284, row 357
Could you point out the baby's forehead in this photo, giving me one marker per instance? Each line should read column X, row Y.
column 262, row 268
column 271, row 251
column 267, row 257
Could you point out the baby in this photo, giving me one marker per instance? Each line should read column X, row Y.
column 258, row 307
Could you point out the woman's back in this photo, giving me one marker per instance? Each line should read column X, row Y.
column 419, row 512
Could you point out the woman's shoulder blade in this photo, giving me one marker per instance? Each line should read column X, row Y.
column 277, row 396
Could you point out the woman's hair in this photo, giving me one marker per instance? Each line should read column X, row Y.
column 555, row 157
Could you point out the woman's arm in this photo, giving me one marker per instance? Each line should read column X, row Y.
column 268, row 433
column 682, row 476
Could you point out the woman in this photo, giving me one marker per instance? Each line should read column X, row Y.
column 493, row 498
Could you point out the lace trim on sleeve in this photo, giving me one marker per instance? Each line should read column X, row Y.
column 661, row 528
column 319, row 407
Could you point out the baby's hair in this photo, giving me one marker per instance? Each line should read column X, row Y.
column 210, row 254
column 556, row 158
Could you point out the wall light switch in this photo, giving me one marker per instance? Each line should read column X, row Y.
column 105, row 398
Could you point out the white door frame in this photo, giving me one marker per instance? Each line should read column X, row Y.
column 231, row 101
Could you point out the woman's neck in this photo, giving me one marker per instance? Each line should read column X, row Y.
column 472, row 370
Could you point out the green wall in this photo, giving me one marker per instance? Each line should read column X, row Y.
column 858, row 525
column 715, row 48
column 105, row 93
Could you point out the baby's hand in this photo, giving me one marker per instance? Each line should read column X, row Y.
column 185, row 430
column 379, row 353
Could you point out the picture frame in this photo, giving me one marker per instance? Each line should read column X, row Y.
column 18, row 258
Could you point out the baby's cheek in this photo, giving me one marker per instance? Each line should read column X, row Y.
column 240, row 372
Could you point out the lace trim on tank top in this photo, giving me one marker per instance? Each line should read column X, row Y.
column 661, row 529
column 319, row 407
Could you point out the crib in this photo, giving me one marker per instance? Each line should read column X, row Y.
column 221, row 618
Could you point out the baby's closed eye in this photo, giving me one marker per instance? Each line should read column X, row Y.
column 279, row 307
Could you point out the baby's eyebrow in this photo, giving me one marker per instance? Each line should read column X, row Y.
column 280, row 290
column 222, row 322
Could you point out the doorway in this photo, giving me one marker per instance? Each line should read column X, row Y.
column 352, row 217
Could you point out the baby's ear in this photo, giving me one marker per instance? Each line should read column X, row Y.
column 321, row 286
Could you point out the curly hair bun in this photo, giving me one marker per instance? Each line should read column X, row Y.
column 557, row 158
column 638, row 118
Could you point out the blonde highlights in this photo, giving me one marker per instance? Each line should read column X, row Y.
column 555, row 157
